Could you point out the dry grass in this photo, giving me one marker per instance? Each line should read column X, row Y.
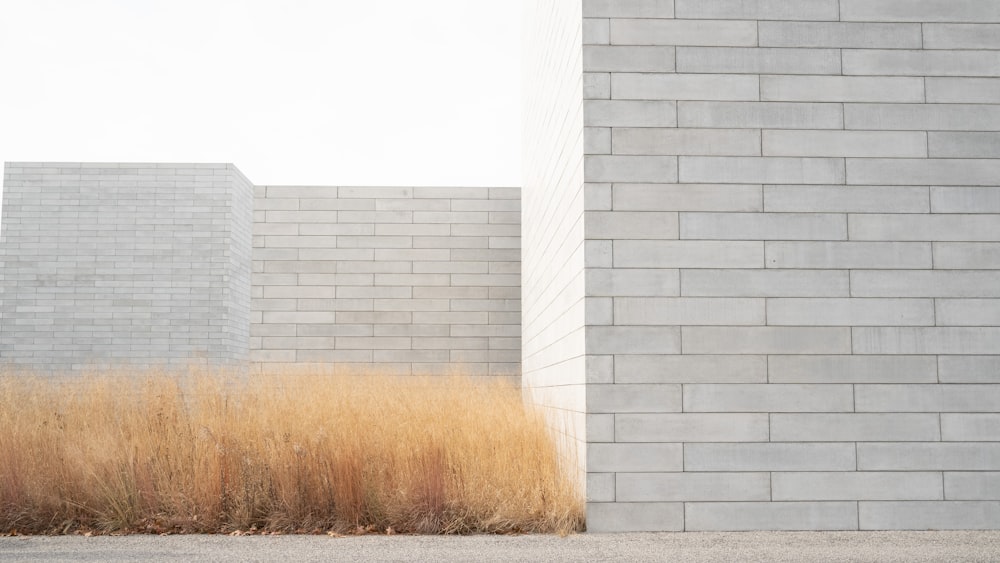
column 293, row 452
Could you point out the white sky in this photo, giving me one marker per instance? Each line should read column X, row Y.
column 335, row 92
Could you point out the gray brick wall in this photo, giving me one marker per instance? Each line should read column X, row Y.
column 113, row 265
column 410, row 280
column 792, row 235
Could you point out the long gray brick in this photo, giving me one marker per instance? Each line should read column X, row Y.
column 662, row 86
column 961, row 36
column 763, row 226
column 634, row 457
column 633, row 398
column 918, row 63
column 687, row 197
column 691, row 369
column 769, row 457
column 673, row 141
column 687, row 427
column 625, row 168
column 635, row 516
column 756, row 115
column 688, row 311
column 745, row 516
column 928, row 515
column 908, row 117
column 675, row 487
column 767, row 398
column 969, row 369
column 850, row 312
column 923, row 283
column 629, row 113
column 856, row 485
column 937, row 227
column 925, row 11
column 628, row 8
column 607, row 58
column 852, row 369
column 978, row 427
column 965, row 199
column 967, row 312
column 930, row 456
column 968, row 485
column 855, row 427
column 856, row 199
column 810, row 10
column 683, row 32
column 687, row 254
column 926, row 398
column 759, row 60
column 851, row 255
column 764, row 283
column 967, row 255
column 840, row 35
column 776, row 170
column 912, row 144
column 963, row 90
column 964, row 145
column 649, row 282
column 633, row 340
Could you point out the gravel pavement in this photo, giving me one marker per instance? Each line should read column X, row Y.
column 687, row 547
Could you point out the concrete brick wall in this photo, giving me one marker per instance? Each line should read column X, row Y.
column 792, row 235
column 410, row 280
column 554, row 343
column 105, row 265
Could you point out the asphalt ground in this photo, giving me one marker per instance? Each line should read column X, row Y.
column 687, row 547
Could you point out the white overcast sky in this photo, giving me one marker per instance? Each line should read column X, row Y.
column 334, row 92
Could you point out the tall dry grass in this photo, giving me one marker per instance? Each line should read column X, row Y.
column 291, row 452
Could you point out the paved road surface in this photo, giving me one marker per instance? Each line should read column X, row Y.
column 689, row 547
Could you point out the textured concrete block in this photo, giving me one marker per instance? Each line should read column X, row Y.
column 633, row 340
column 856, row 485
column 763, row 226
column 967, row 312
column 600, row 487
column 688, row 311
column 657, row 169
column 933, row 456
column 969, row 369
column 687, row 197
column 630, row 224
column 683, row 32
column 758, row 60
column 744, row 516
column 622, row 398
column 603, row 58
column 964, row 145
column 764, row 283
column 926, row 398
column 968, row 485
column 771, row 398
column 929, row 340
column 840, row 35
column 926, row 11
column 919, row 283
column 970, row 427
column 596, row 85
column 691, row 369
column 629, row 113
column 916, row 63
column 687, row 254
column 961, row 36
column 809, row 10
column 596, row 31
column 963, row 90
column 646, row 86
column 634, row 457
column 851, row 255
column 850, row 312
column 965, row 200
column 907, row 117
column 845, row 143
column 633, row 282
column 757, row 115
column 628, row 8
column 937, row 227
column 857, row 199
column 672, row 141
column 928, row 515
column 769, row 457
column 674, row 487
column 635, row 517
column 967, row 255
column 854, row 427
column 769, row 170
column 691, row 427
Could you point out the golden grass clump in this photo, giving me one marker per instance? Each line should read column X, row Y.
column 289, row 452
